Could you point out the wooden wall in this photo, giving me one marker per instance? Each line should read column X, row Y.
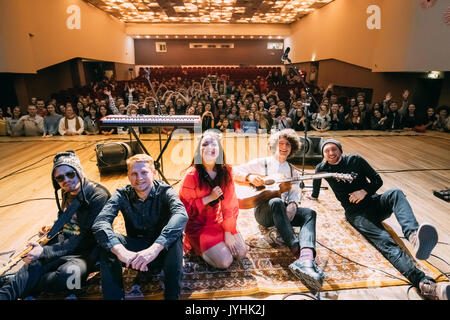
column 248, row 52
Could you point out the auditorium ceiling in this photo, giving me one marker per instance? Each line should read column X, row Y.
column 209, row 11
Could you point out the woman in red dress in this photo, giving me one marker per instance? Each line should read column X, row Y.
column 208, row 194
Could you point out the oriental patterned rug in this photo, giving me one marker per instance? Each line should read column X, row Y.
column 341, row 252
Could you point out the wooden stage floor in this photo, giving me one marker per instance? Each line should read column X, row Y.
column 415, row 163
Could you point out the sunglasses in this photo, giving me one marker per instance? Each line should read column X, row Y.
column 70, row 175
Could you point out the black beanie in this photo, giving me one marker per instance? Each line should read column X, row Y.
column 335, row 142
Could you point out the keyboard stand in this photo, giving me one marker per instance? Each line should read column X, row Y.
column 152, row 121
column 158, row 162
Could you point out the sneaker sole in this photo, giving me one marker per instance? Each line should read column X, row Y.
column 312, row 284
column 427, row 237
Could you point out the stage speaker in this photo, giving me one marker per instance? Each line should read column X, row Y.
column 112, row 156
column 311, row 149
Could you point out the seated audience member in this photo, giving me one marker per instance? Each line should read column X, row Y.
column 342, row 110
column 377, row 120
column 299, row 122
column 40, row 107
column 220, row 119
column 283, row 121
column 443, row 120
column 354, row 120
column 51, row 122
column 386, row 103
column 394, row 119
column 410, row 119
column 169, row 130
column 11, row 122
column 321, row 121
column 30, row 125
column 241, row 118
column 91, row 121
column 62, row 110
column 364, row 112
column 272, row 116
column 430, row 119
column 263, row 123
column 207, row 191
column 71, row 124
column 207, row 120
column 225, row 125
column 233, row 115
column 103, row 112
column 403, row 110
column 155, row 220
column 3, row 124
column 337, row 119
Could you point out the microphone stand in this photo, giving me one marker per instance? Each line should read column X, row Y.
column 284, row 58
column 158, row 166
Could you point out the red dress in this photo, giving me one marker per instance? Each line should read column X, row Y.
column 206, row 225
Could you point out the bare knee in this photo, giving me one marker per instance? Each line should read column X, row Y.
column 221, row 262
column 241, row 253
column 220, row 258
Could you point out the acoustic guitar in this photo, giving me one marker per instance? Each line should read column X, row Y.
column 250, row 196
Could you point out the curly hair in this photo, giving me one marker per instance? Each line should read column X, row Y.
column 290, row 135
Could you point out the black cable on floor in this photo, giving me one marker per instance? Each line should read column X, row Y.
column 28, row 167
column 363, row 265
column 317, row 297
column 23, row 201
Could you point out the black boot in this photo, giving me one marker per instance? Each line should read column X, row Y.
column 309, row 274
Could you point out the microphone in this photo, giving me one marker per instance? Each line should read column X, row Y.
column 285, row 54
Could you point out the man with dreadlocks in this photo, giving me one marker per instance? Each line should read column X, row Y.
column 68, row 258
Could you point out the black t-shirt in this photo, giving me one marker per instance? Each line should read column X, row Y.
column 366, row 178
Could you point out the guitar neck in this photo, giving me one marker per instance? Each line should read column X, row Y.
column 42, row 241
column 309, row 177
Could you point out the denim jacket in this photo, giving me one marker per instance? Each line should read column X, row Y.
column 161, row 217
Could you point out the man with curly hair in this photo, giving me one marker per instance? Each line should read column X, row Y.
column 284, row 212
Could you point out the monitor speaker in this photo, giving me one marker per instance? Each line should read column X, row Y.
column 112, row 156
column 311, row 148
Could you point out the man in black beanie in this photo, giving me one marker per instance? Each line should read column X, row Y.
column 64, row 263
column 365, row 210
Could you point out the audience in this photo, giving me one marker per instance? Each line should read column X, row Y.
column 276, row 101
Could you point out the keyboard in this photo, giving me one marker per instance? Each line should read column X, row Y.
column 183, row 121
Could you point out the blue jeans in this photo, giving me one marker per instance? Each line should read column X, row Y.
column 46, row 275
column 368, row 222
column 273, row 213
column 170, row 261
